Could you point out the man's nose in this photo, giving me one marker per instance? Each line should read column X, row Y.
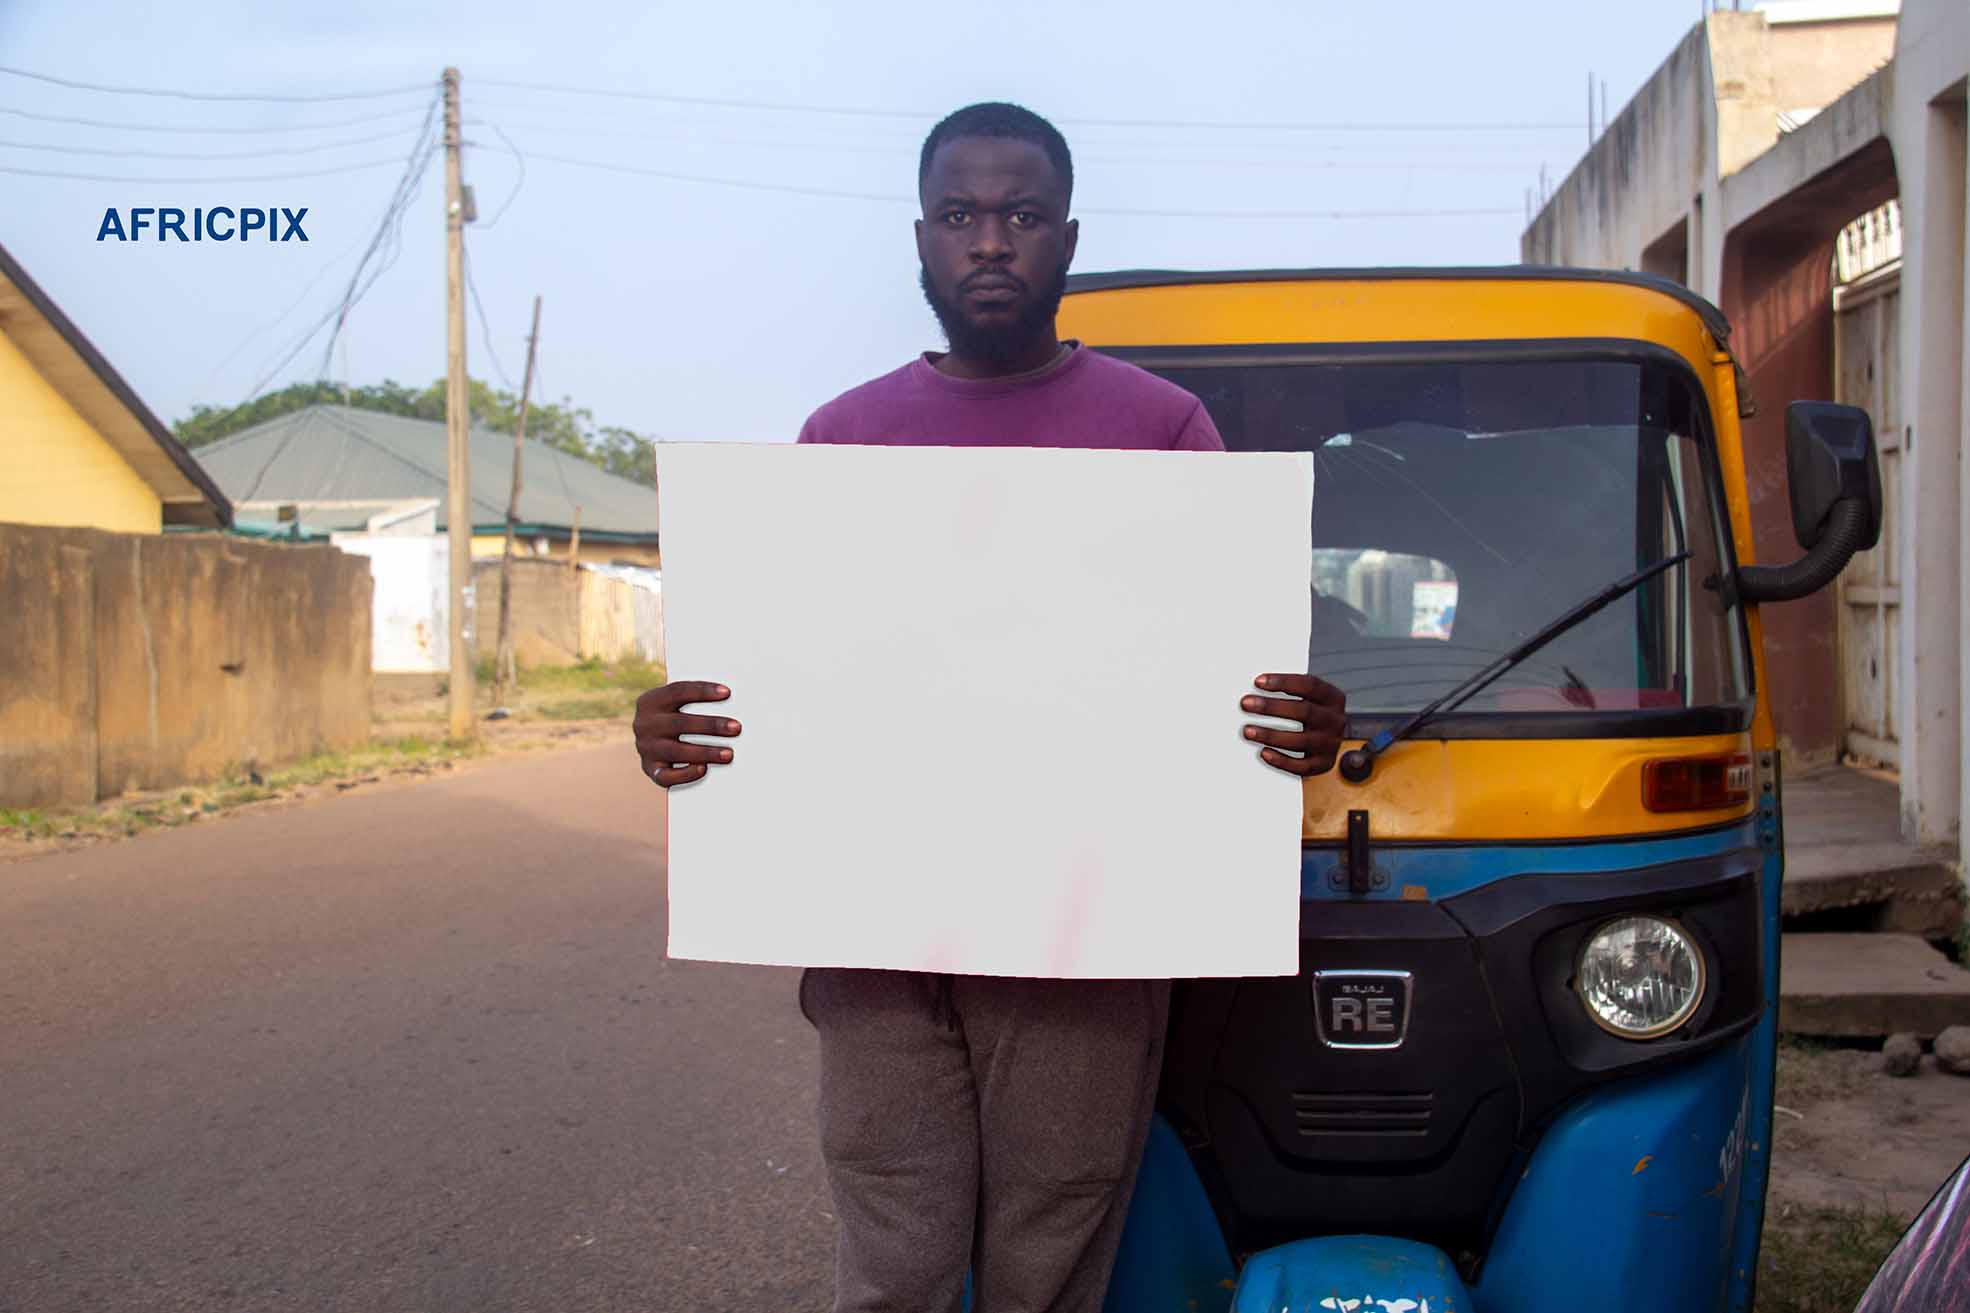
column 991, row 240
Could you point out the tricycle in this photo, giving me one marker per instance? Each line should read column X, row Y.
column 1527, row 1060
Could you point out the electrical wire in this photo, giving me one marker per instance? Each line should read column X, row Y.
column 389, row 233
column 421, row 88
column 518, row 183
column 387, row 239
column 262, row 330
column 485, row 325
column 236, row 177
column 169, row 127
column 205, row 155
column 857, row 111
column 901, row 148
column 893, row 198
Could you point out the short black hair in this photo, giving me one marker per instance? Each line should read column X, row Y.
column 996, row 118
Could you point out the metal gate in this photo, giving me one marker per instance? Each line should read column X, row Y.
column 1867, row 373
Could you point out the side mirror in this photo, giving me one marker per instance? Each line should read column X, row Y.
column 1829, row 457
column 1834, row 477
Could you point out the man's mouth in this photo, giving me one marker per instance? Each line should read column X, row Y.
column 992, row 289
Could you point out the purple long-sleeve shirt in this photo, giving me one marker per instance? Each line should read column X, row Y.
column 1087, row 400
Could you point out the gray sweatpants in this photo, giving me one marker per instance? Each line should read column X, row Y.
column 986, row 1121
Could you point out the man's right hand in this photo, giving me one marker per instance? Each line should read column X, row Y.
column 667, row 759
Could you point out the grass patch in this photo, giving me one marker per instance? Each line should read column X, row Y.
column 599, row 708
column 588, row 676
column 589, row 690
column 239, row 786
column 1820, row 1260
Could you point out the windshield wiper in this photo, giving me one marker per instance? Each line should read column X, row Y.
column 1359, row 764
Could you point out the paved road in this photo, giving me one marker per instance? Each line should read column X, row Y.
column 411, row 1049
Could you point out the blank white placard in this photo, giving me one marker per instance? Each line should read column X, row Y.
column 990, row 700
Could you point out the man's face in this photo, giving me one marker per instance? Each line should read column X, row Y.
column 995, row 242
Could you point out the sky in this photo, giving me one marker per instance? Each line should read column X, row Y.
column 1238, row 134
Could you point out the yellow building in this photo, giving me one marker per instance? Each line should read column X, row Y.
column 77, row 445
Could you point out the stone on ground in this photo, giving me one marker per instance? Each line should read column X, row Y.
column 1953, row 1050
column 1902, row 1055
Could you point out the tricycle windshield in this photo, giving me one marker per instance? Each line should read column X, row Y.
column 1460, row 505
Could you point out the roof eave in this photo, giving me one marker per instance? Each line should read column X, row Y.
column 194, row 501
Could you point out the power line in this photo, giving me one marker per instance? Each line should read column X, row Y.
column 1096, row 157
column 237, row 177
column 518, row 183
column 262, row 330
column 788, row 188
column 260, row 130
column 389, row 233
column 893, row 198
column 420, row 88
column 387, row 238
column 204, row 155
column 485, row 325
column 858, row 111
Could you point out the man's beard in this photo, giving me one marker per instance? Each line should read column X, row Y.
column 1000, row 344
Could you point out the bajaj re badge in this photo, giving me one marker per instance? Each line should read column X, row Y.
column 1361, row 1009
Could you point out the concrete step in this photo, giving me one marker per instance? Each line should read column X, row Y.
column 1902, row 888
column 1860, row 986
column 1846, row 861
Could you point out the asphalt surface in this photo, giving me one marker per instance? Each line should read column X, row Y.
column 415, row 1048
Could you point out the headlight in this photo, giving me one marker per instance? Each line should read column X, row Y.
column 1640, row 976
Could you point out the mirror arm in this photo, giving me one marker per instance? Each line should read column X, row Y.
column 1846, row 530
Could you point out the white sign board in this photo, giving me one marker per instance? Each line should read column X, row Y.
column 990, row 701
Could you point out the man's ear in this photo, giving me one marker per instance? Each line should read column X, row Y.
column 918, row 225
column 1073, row 239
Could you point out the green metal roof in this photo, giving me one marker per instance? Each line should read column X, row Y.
column 341, row 454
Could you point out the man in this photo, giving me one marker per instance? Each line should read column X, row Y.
column 977, row 1120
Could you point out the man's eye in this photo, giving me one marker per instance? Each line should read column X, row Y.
column 1024, row 219
column 957, row 218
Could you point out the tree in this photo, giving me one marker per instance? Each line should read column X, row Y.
column 563, row 425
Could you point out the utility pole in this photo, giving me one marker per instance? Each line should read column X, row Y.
column 503, row 661
column 458, row 515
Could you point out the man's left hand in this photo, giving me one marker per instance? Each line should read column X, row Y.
column 1317, row 705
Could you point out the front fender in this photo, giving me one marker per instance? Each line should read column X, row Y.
column 1351, row 1274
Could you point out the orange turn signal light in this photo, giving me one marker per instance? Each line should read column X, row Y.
column 1696, row 784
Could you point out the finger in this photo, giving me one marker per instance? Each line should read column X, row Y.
column 1284, row 708
column 673, row 725
column 669, row 697
column 1312, row 764
column 668, row 747
column 670, row 776
column 667, row 751
column 653, row 730
column 1311, row 687
column 1292, row 740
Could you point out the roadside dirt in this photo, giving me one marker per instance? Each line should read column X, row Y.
column 1850, row 1137
column 499, row 740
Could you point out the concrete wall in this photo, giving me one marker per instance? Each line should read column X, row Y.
column 1814, row 64
column 1932, row 154
column 1639, row 181
column 560, row 616
column 55, row 468
column 143, row 662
